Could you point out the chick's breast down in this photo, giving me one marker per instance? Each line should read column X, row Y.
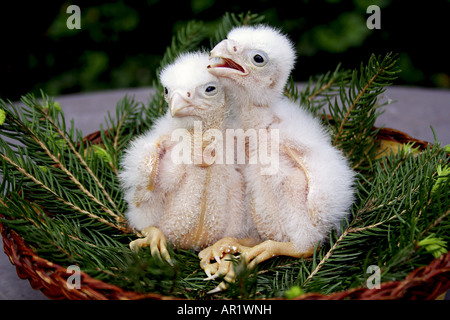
column 312, row 190
column 192, row 205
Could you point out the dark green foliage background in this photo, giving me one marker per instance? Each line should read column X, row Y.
column 120, row 44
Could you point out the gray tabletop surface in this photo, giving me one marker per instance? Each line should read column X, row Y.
column 413, row 110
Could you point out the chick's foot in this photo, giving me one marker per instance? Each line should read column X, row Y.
column 251, row 255
column 226, row 246
column 154, row 239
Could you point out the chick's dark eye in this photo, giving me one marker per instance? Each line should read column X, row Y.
column 258, row 58
column 210, row 90
column 166, row 91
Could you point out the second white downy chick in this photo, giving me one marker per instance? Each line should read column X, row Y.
column 175, row 183
column 311, row 193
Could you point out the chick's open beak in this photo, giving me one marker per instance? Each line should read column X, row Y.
column 179, row 106
column 225, row 59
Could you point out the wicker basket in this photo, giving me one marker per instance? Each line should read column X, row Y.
column 423, row 283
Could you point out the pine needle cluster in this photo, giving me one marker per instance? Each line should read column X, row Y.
column 61, row 192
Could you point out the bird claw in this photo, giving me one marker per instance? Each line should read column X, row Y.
column 218, row 250
column 208, row 273
column 210, row 276
column 226, row 270
column 222, row 252
column 221, row 287
column 215, row 290
column 154, row 239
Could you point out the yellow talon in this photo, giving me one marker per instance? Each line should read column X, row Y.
column 154, row 239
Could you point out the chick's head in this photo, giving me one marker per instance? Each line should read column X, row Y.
column 258, row 59
column 191, row 92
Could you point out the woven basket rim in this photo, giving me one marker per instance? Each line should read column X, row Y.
column 426, row 282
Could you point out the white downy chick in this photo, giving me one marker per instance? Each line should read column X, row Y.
column 175, row 183
column 295, row 207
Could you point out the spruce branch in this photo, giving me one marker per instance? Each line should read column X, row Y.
column 50, row 147
column 121, row 129
column 355, row 112
column 57, row 198
column 397, row 200
column 60, row 238
column 186, row 39
column 70, row 144
column 319, row 89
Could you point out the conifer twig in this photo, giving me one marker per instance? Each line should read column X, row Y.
column 322, row 89
column 58, row 198
column 71, row 176
column 355, row 102
column 88, row 169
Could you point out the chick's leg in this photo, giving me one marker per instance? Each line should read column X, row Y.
column 154, row 239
